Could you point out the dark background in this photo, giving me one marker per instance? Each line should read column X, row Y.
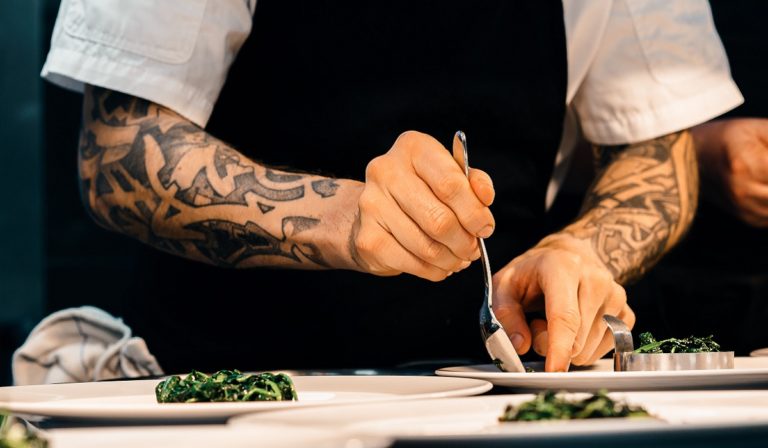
column 52, row 256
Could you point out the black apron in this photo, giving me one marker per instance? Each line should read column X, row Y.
column 325, row 87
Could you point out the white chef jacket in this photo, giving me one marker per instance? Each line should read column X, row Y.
column 637, row 69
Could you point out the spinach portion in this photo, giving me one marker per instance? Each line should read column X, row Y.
column 226, row 385
column 691, row 344
column 549, row 406
column 14, row 434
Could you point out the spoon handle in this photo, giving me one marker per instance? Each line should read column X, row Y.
column 461, row 156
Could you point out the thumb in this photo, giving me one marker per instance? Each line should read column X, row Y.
column 509, row 311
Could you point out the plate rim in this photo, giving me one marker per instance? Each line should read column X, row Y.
column 533, row 380
column 60, row 408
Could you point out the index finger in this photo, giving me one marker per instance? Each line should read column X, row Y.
column 435, row 165
column 563, row 320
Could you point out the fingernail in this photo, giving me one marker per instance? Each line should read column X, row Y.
column 485, row 232
column 517, row 340
column 540, row 343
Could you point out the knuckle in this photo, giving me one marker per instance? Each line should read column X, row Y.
column 375, row 167
column 568, row 319
column 578, row 347
column 369, row 243
column 431, row 250
column 620, row 294
column 562, row 258
column 450, row 186
column 366, row 202
column 603, row 276
column 440, row 221
column 409, row 139
column 629, row 318
column 571, row 259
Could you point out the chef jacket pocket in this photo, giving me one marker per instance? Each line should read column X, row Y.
column 678, row 38
column 164, row 30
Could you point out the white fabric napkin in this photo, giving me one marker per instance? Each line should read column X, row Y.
column 81, row 344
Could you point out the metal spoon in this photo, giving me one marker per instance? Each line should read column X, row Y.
column 496, row 340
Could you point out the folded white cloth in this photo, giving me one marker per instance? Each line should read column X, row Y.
column 81, row 344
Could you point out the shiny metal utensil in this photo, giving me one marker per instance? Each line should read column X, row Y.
column 626, row 360
column 496, row 340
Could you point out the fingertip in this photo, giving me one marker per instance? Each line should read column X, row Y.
column 512, row 319
column 486, row 194
column 482, row 185
column 541, row 343
column 557, row 363
column 558, row 357
column 518, row 341
column 540, row 336
column 486, row 231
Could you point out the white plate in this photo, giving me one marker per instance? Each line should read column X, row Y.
column 206, row 436
column 135, row 400
column 747, row 372
column 477, row 417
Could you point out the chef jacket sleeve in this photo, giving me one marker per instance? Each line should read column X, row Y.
column 660, row 67
column 174, row 53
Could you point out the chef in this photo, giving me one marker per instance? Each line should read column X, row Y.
column 312, row 135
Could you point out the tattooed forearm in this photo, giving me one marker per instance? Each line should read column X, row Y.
column 148, row 173
column 641, row 203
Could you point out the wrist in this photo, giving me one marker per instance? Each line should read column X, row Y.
column 711, row 154
column 339, row 219
column 570, row 242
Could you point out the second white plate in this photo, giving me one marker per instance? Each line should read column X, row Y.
column 477, row 417
column 747, row 372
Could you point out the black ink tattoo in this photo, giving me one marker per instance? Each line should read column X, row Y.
column 325, row 187
column 277, row 177
column 640, row 204
column 166, row 182
column 265, row 208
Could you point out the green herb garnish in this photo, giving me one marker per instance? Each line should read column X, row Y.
column 226, row 385
column 499, row 364
column 692, row 344
column 14, row 434
column 549, row 406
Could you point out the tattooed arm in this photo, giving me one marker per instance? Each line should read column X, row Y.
column 151, row 174
column 641, row 203
column 148, row 173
